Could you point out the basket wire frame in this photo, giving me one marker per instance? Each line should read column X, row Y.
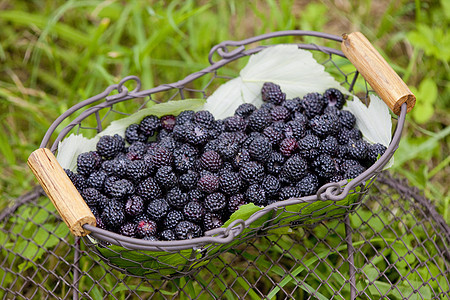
column 203, row 256
column 192, row 253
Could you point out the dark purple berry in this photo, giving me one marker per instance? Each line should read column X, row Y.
column 271, row 92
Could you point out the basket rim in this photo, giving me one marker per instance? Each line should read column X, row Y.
column 330, row 192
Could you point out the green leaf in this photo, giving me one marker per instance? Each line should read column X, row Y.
column 152, row 264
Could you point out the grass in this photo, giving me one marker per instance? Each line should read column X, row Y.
column 55, row 54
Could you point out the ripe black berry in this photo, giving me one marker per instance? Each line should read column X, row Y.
column 334, row 97
column 271, row 92
column 109, row 146
column 252, row 172
column 215, row 202
column 157, row 209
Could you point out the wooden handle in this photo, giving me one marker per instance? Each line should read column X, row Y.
column 377, row 72
column 65, row 197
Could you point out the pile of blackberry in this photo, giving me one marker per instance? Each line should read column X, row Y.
column 175, row 177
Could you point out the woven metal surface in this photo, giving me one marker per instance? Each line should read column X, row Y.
column 370, row 254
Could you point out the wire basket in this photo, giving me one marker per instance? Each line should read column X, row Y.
column 171, row 259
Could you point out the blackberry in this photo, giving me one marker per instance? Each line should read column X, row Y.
column 204, row 118
column 148, row 189
column 342, row 151
column 235, row 123
column 313, row 104
column 279, row 113
column 288, row 146
column 215, row 202
column 99, row 223
column 78, row 180
column 212, row 221
column 336, row 177
column 119, row 189
column 185, row 117
column 295, row 168
column 208, row 183
column 297, row 127
column 133, row 134
column 331, row 110
column 373, row 152
column 150, row 238
column 353, row 172
column 173, row 218
column 96, row 179
column 119, row 167
column 128, row 229
column 235, row 202
column 230, row 183
column 195, row 195
column 240, row 158
column 358, row 149
column 113, row 214
column 334, row 97
column 347, row 119
column 194, row 211
column 91, row 196
column 165, row 133
column 259, row 120
column 146, row 227
column 212, row 145
column 137, row 169
column 87, row 162
column 256, row 194
column 260, row 149
column 245, row 110
column 160, row 156
column 300, row 117
column 271, row 185
column 275, row 163
column 323, row 125
column 165, row 177
column 102, row 202
column 325, row 166
column 290, row 192
column 134, row 206
column 168, row 122
column 136, row 150
column 292, row 104
column 176, row 198
column 184, row 158
column 167, row 235
column 227, row 148
column 329, row 146
column 157, row 209
column 179, row 132
column 348, row 163
column 149, row 125
column 309, row 146
column 109, row 146
column 216, row 130
column 168, row 143
column 188, row 180
column 308, row 185
column 211, row 161
column 196, row 134
column 252, row 172
column 271, row 92
column 187, row 230
column 355, row 134
column 273, row 134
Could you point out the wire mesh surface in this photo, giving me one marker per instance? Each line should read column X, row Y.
column 395, row 246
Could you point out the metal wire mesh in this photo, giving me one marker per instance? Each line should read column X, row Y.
column 393, row 246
